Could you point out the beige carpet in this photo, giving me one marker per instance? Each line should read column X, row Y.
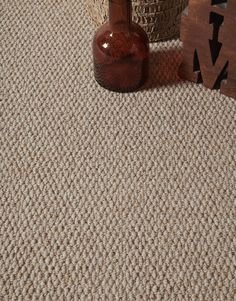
column 109, row 197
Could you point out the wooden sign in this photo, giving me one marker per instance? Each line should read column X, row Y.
column 208, row 32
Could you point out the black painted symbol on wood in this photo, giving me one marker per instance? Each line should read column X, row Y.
column 209, row 55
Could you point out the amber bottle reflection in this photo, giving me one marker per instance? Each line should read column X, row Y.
column 120, row 50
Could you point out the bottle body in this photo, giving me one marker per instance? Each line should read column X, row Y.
column 120, row 51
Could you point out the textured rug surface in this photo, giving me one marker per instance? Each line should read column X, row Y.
column 107, row 196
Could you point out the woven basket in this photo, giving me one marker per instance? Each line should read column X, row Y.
column 159, row 18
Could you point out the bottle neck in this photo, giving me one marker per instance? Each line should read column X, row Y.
column 120, row 14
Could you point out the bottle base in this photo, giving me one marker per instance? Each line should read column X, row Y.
column 119, row 89
column 125, row 75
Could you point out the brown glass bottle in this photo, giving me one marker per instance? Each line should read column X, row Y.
column 120, row 50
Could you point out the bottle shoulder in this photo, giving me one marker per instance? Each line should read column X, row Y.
column 135, row 33
column 113, row 42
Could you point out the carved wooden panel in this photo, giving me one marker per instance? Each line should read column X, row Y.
column 208, row 31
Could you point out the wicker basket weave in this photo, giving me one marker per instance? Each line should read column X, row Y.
column 159, row 18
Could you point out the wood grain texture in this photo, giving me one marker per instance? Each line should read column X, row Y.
column 209, row 55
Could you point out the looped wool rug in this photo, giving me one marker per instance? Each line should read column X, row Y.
column 108, row 197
